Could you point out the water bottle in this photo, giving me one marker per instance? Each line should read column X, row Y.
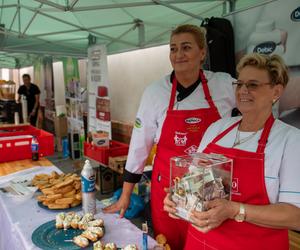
column 24, row 108
column 88, row 180
column 65, row 147
column 34, row 149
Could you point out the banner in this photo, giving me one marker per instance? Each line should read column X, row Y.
column 49, row 94
column 73, row 92
column 261, row 29
column 98, row 90
column 71, row 76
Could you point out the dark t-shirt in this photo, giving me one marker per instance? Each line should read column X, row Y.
column 30, row 94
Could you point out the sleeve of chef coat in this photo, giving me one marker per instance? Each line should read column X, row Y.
column 289, row 189
column 143, row 135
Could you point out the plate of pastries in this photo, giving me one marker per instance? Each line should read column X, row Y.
column 73, row 231
column 58, row 191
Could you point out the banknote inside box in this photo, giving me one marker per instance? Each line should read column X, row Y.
column 197, row 178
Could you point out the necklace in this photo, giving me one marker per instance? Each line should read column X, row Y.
column 239, row 141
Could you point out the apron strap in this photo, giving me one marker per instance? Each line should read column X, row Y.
column 263, row 138
column 220, row 136
column 205, row 90
column 173, row 93
column 265, row 134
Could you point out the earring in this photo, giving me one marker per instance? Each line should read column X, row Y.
column 274, row 100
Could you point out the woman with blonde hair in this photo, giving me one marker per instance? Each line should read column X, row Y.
column 174, row 113
column 265, row 195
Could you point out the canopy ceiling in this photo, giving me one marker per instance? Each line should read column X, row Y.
column 29, row 28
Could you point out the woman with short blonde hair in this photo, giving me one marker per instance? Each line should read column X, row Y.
column 265, row 200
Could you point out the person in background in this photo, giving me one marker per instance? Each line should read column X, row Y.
column 265, row 195
column 32, row 93
column 174, row 113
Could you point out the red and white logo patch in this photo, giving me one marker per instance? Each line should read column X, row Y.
column 180, row 139
column 191, row 150
column 235, row 185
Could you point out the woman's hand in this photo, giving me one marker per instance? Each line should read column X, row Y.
column 121, row 205
column 218, row 211
column 169, row 205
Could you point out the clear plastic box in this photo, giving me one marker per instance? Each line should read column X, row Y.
column 197, row 178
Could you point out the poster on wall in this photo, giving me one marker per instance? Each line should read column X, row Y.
column 262, row 30
column 75, row 100
column 98, row 90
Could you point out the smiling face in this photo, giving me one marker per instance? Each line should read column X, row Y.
column 185, row 54
column 258, row 100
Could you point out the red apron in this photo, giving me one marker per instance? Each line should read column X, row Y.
column 181, row 134
column 248, row 186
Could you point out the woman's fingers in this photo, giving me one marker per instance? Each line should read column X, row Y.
column 122, row 212
column 111, row 209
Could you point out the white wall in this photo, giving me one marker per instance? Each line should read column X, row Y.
column 129, row 73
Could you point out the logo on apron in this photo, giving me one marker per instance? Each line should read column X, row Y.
column 192, row 120
column 191, row 150
column 235, row 185
column 180, row 138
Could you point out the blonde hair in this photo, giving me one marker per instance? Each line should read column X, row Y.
column 197, row 32
column 273, row 64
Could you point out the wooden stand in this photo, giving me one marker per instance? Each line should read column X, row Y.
column 14, row 166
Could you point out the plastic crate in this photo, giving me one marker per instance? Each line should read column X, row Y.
column 101, row 154
column 15, row 142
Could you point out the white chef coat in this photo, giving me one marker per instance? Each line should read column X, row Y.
column 282, row 156
column 153, row 107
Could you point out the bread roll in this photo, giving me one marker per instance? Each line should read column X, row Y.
column 81, row 241
column 64, row 201
column 58, row 206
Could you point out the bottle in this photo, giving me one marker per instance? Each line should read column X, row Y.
column 65, row 147
column 75, row 145
column 16, row 118
column 24, row 109
column 34, row 149
column 81, row 141
column 88, row 180
column 266, row 39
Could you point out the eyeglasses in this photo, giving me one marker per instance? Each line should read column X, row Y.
column 250, row 85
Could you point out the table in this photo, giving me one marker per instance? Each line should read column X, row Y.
column 14, row 166
column 20, row 219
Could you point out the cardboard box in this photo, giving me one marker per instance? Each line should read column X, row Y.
column 61, row 126
column 121, row 131
column 100, row 139
column 117, row 164
column 108, row 181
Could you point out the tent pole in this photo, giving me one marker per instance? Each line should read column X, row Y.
column 76, row 30
column 31, row 20
column 79, row 27
column 19, row 17
column 177, row 9
column 55, row 5
column 12, row 23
